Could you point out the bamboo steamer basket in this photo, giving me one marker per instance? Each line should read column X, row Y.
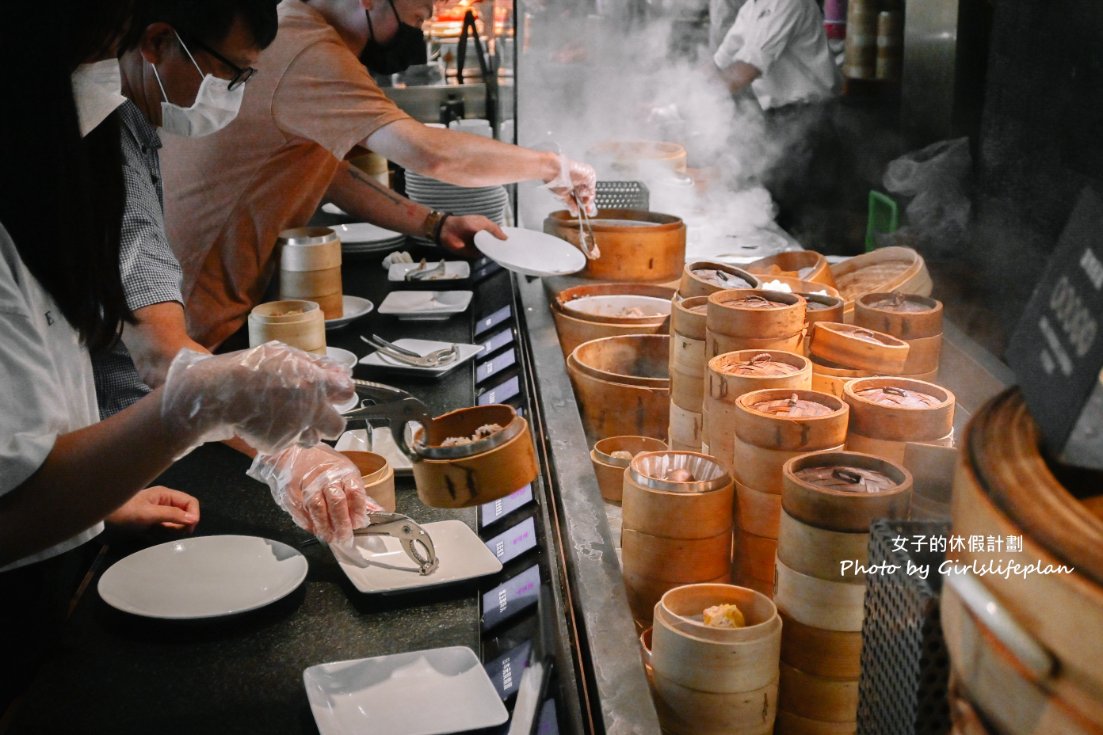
column 796, row 286
column 378, row 477
column 819, row 603
column 883, row 429
column 820, row 308
column 711, row 659
column 685, row 428
column 634, row 157
column 294, row 322
column 761, row 586
column 818, row 697
column 880, row 271
column 690, row 510
column 644, row 593
column 675, row 560
column 805, row 265
column 924, row 357
column 780, row 428
column 754, row 315
column 732, row 374
column 754, row 557
column 626, row 391
column 695, row 284
column 832, row 379
column 651, row 253
column 574, row 328
column 757, row 512
column 760, row 468
column 687, row 353
column 717, row 344
column 858, row 348
column 1055, row 608
column 818, row 552
column 834, row 509
column 830, row 653
column 684, row 711
column 789, row 723
column 906, row 316
column 610, row 469
column 474, row 479
column 310, row 267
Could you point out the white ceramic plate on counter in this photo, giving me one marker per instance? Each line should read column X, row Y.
column 365, row 233
column 384, row 568
column 344, row 357
column 425, row 305
column 203, row 577
column 433, row 692
column 454, row 270
column 352, row 307
column 531, row 253
column 422, row 347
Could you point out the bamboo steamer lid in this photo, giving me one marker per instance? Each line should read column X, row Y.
column 789, row 723
column 845, row 491
column 820, row 652
column 818, row 552
column 818, row 602
column 757, row 512
column 377, row 476
column 806, row 265
column 787, row 284
column 675, row 560
column 688, row 317
column 899, row 409
column 902, row 315
column 610, row 468
column 466, row 481
column 732, row 374
column 567, row 296
column 881, row 271
column 778, row 418
column 818, row 697
column 698, row 509
column 857, row 347
column 701, row 278
column 755, row 314
column 573, row 331
column 294, row 322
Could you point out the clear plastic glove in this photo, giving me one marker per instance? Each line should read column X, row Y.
column 272, row 396
column 576, row 182
column 321, row 489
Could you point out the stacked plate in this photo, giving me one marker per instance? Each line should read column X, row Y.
column 489, row 201
column 358, row 238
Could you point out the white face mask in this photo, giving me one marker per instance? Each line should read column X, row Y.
column 215, row 106
column 96, row 91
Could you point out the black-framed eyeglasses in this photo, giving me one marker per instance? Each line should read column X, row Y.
column 241, row 76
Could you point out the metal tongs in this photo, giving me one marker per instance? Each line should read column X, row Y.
column 423, row 273
column 417, row 544
column 586, row 239
column 402, row 411
column 436, row 358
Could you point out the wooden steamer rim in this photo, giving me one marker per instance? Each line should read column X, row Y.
column 693, row 285
column 770, row 431
column 377, row 476
column 724, row 384
column 757, row 512
column 609, row 469
column 573, row 332
column 610, row 359
column 899, row 423
column 309, row 249
column 819, row 603
column 882, row 270
column 907, row 325
column 304, row 329
column 686, row 510
column 836, row 510
column 791, row 262
column 831, row 653
column 612, row 408
column 466, row 481
column 574, row 293
column 654, row 253
column 784, row 316
column 818, row 697
column 687, row 322
column 848, row 346
column 675, row 561
column 818, row 552
column 834, row 308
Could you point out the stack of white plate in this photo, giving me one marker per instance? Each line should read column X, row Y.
column 363, row 237
column 489, row 201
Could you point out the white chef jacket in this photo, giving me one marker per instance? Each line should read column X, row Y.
column 785, row 40
column 721, row 16
column 46, row 385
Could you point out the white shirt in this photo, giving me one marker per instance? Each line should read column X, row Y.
column 721, row 16
column 46, row 385
column 785, row 40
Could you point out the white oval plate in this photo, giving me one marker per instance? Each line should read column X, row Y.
column 364, row 232
column 203, row 577
column 352, row 307
column 531, row 253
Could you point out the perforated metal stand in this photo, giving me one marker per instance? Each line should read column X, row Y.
column 622, row 195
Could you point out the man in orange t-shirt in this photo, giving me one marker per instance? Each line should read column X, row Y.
column 228, row 195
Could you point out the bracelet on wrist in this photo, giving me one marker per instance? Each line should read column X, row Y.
column 440, row 227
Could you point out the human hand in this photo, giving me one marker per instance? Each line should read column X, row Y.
column 158, row 506
column 575, row 183
column 458, row 233
column 272, row 396
column 321, row 488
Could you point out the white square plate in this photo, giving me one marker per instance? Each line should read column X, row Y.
column 462, row 555
column 421, row 347
column 454, row 270
column 425, row 304
column 432, row 692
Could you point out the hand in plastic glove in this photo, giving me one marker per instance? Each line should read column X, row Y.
column 321, row 489
column 458, row 233
column 158, row 506
column 575, row 179
column 272, row 396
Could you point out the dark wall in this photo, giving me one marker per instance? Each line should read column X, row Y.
column 1041, row 139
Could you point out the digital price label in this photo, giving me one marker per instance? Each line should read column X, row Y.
column 510, row 544
column 506, row 670
column 498, row 509
column 487, row 323
column 492, row 367
column 511, row 597
column 497, row 341
column 501, row 393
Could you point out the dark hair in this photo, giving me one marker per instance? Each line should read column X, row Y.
column 210, row 20
column 62, row 197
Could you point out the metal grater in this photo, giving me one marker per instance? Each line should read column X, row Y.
column 622, row 195
column 905, row 666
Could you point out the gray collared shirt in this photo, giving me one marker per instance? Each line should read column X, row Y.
column 151, row 274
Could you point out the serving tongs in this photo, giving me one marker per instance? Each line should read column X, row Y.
column 423, row 273
column 402, row 411
column 586, row 240
column 417, row 544
column 436, row 358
